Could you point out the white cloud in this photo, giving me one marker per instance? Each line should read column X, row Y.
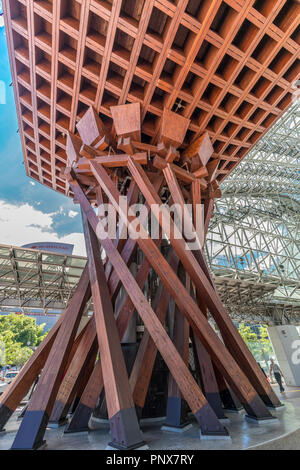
column 22, row 224
column 73, row 214
column 32, row 183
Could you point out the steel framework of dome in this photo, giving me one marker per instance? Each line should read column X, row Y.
column 254, row 236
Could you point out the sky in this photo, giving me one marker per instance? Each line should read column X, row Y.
column 29, row 211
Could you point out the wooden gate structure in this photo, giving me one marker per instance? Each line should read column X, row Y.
column 99, row 163
column 155, row 102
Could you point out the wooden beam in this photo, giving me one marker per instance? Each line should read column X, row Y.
column 73, row 146
column 94, row 386
column 201, row 282
column 206, row 289
column 91, row 128
column 173, row 128
column 176, row 408
column 88, row 401
column 201, row 147
column 143, row 366
column 31, row 431
column 190, row 390
column 122, row 416
column 71, row 379
column 127, row 120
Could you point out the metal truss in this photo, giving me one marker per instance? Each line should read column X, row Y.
column 34, row 279
column 254, row 235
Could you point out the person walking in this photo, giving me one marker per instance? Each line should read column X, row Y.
column 276, row 372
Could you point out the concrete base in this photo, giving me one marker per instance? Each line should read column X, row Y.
column 110, row 447
column 224, row 420
column 211, row 437
column 57, row 424
column 229, row 410
column 150, row 421
column 185, row 428
column 98, row 423
column 288, row 441
column 284, row 434
column 42, row 446
column 261, row 421
column 78, row 433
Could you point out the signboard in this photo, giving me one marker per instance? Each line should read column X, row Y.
column 62, row 248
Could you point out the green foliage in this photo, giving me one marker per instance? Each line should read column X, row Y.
column 17, row 333
column 24, row 329
column 260, row 347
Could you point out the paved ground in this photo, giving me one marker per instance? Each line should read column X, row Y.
column 243, row 433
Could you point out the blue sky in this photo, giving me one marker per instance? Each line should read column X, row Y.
column 29, row 211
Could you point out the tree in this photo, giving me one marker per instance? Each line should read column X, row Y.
column 259, row 345
column 17, row 333
column 24, row 329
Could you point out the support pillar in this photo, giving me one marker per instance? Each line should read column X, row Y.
column 31, row 432
column 176, row 408
column 125, row 431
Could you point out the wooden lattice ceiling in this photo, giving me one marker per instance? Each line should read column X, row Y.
column 229, row 66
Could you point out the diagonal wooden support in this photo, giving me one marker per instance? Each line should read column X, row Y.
column 189, row 389
column 202, row 282
column 71, row 380
column 132, row 197
column 123, row 421
column 84, row 376
column 214, row 345
column 18, row 389
column 208, row 378
column 143, row 366
column 176, row 411
column 88, row 401
column 31, row 432
column 129, row 248
column 247, row 362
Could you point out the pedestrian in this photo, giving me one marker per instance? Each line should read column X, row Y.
column 276, row 372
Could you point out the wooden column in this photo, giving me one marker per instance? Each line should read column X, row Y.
column 214, row 345
column 228, row 397
column 144, row 362
column 123, row 421
column 235, row 343
column 190, row 390
column 176, row 410
column 208, row 379
column 88, row 401
column 31, row 432
column 20, row 386
column 94, row 386
column 71, row 379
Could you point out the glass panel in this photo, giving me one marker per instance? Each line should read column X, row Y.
column 73, row 272
column 4, row 251
column 25, row 254
column 76, row 262
column 27, row 264
column 55, row 259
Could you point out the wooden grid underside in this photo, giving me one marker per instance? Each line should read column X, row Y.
column 229, row 66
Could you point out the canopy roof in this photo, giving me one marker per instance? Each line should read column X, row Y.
column 228, row 66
